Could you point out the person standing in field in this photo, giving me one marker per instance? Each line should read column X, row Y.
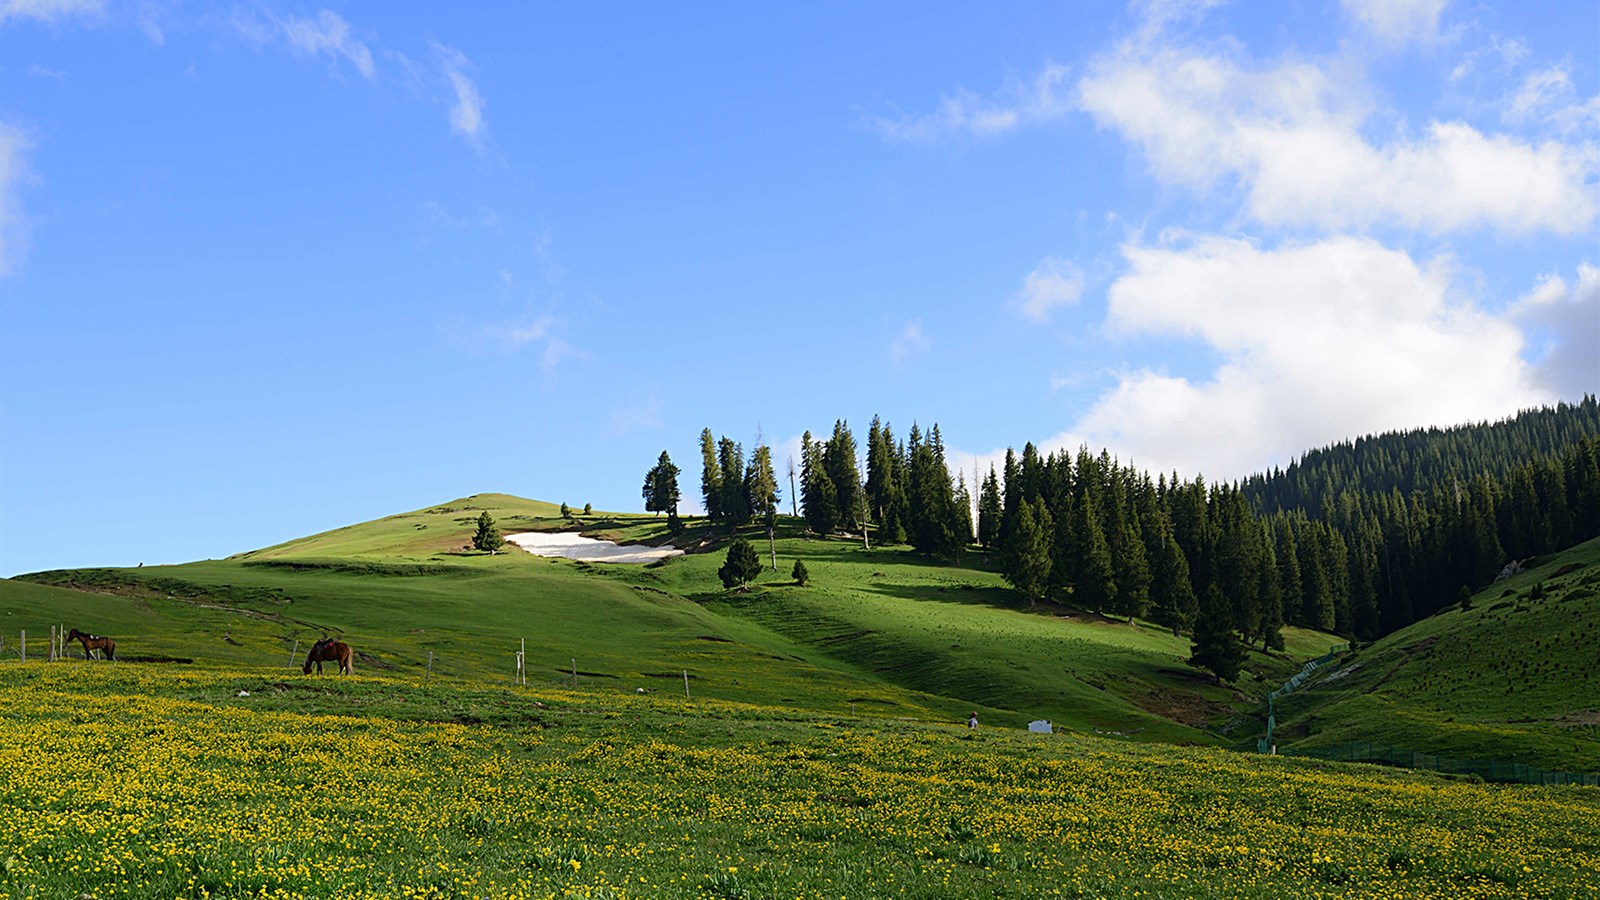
column 972, row 719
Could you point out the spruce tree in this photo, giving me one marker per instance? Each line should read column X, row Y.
column 817, row 496
column 1175, row 603
column 710, row 476
column 1026, row 561
column 661, row 487
column 839, row 458
column 990, row 511
column 1096, row 587
column 735, row 500
column 488, row 537
column 1215, row 646
column 741, row 566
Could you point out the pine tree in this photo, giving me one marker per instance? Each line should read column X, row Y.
column 1175, row 603
column 735, row 501
column 710, row 476
column 799, row 573
column 741, row 566
column 1215, row 646
column 839, row 458
column 761, row 484
column 1096, row 588
column 817, row 495
column 488, row 537
column 990, row 511
column 961, row 513
column 1026, row 563
column 761, row 496
column 661, row 487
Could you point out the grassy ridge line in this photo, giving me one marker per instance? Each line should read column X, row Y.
column 1514, row 678
column 139, row 781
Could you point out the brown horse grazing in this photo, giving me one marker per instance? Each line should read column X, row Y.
column 94, row 642
column 328, row 650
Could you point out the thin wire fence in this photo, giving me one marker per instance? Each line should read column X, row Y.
column 1265, row 745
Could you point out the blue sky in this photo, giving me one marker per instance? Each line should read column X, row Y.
column 268, row 269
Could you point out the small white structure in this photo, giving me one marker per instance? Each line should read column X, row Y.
column 1041, row 726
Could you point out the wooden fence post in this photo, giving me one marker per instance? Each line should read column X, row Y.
column 429, row 676
column 22, row 648
column 685, row 684
column 293, row 653
column 574, row 671
column 52, row 643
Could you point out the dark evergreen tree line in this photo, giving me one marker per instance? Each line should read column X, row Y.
column 1422, row 459
column 1087, row 530
column 1105, row 537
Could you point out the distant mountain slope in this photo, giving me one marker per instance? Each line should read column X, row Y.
column 1423, row 458
column 1516, row 677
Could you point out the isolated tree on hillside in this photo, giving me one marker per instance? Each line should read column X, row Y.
column 741, row 566
column 488, row 538
column 661, row 487
column 801, row 576
column 1216, row 647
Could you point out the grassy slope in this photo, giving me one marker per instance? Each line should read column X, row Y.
column 1512, row 678
column 883, row 630
column 219, row 782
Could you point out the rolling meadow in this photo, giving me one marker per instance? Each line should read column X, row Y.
column 820, row 750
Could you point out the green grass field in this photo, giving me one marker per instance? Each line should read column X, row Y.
column 820, row 754
column 1513, row 678
column 881, row 629
column 145, row 780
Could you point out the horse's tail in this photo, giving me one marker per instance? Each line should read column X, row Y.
column 111, row 650
column 349, row 660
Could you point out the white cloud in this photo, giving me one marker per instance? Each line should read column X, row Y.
column 1398, row 22
column 1041, row 100
column 14, row 148
column 466, row 113
column 1564, row 321
column 1318, row 342
column 1052, row 283
column 1293, row 139
column 48, row 10
column 910, row 340
column 1548, row 95
column 328, row 34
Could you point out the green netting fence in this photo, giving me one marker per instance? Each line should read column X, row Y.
column 1264, row 745
column 1487, row 769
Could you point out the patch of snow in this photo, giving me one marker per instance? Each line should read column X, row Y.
column 571, row 545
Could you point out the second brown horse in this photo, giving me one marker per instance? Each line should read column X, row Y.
column 328, row 650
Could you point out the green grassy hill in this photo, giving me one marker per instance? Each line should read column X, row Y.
column 881, row 631
column 1516, row 677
